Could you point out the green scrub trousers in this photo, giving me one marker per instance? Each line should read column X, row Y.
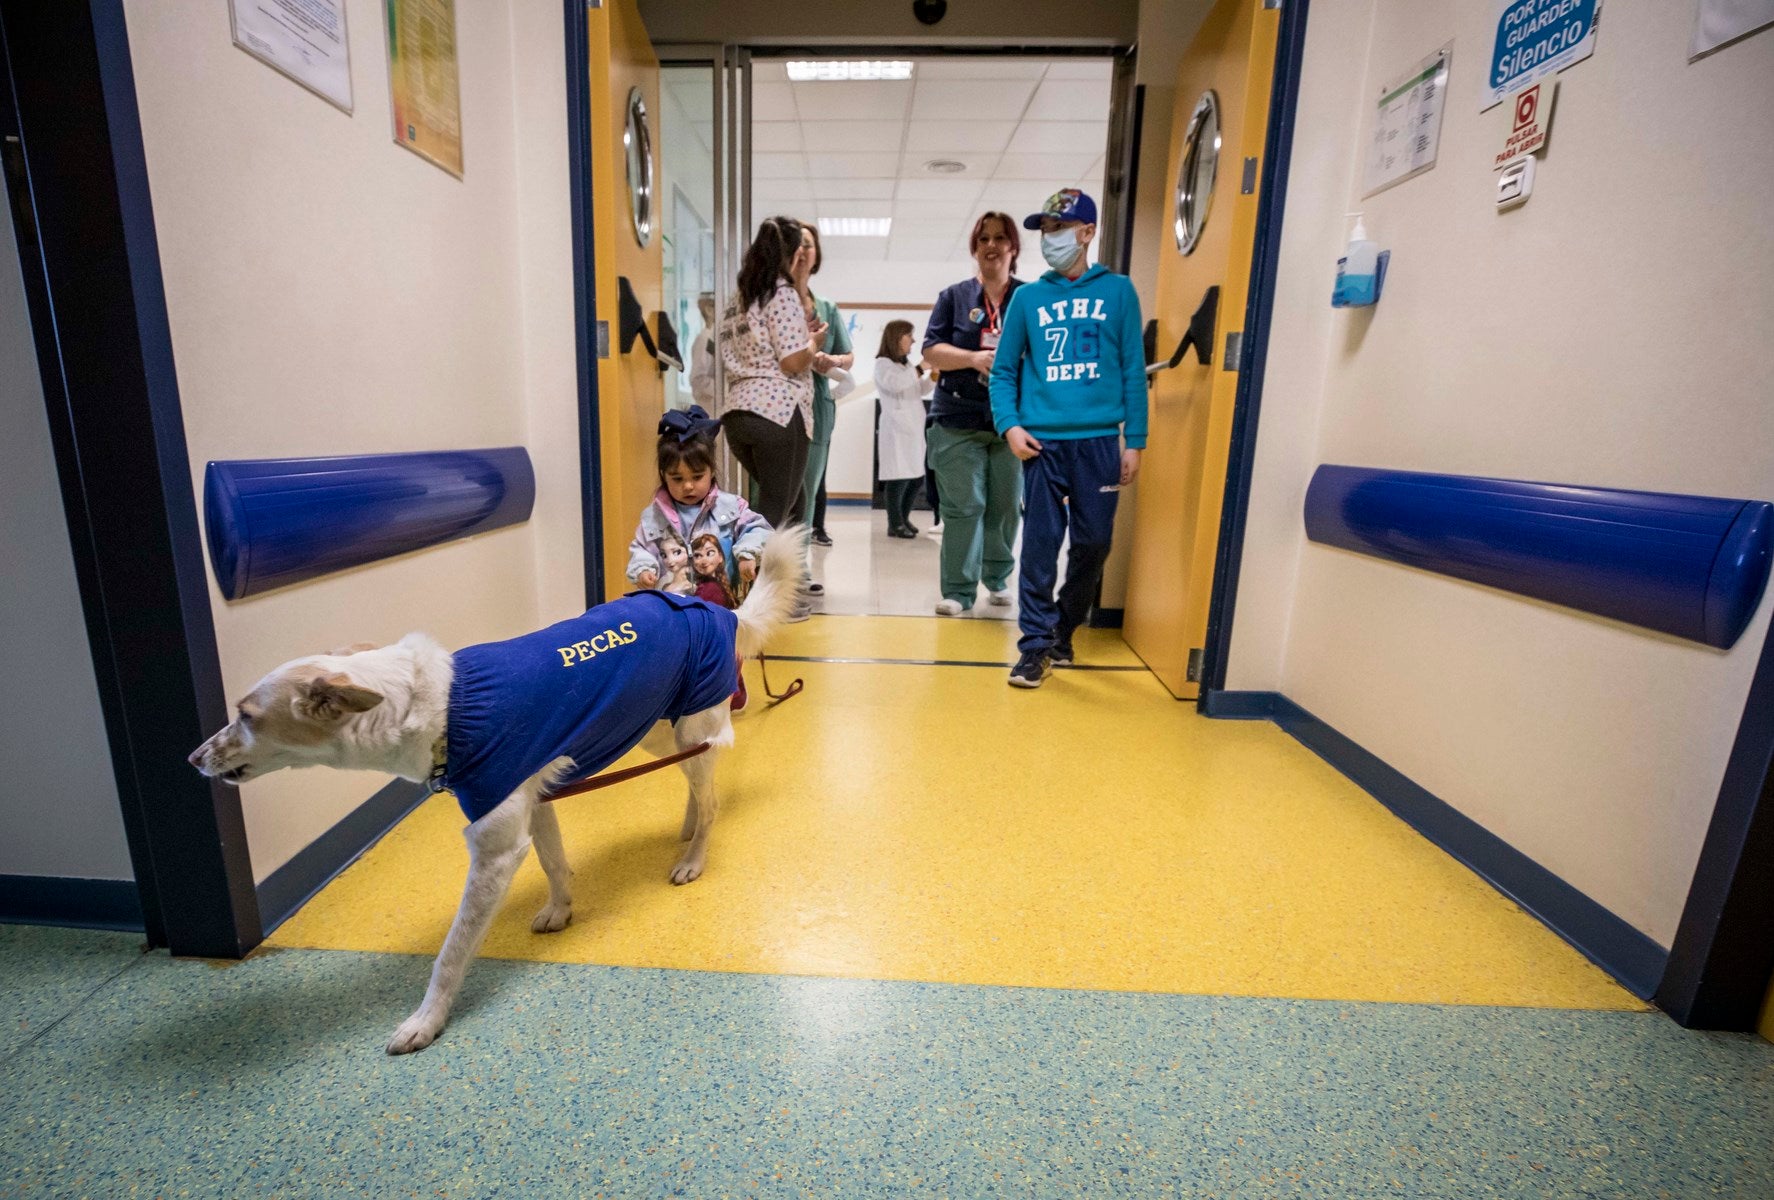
column 980, row 482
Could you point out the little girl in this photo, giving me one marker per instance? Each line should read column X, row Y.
column 688, row 506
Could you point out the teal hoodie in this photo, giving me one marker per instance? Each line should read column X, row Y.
column 1071, row 362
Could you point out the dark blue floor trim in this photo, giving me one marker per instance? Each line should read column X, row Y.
column 1239, row 706
column 293, row 884
column 79, row 903
column 1607, row 941
column 1600, row 936
column 848, row 502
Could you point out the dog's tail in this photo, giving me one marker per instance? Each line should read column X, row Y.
column 780, row 589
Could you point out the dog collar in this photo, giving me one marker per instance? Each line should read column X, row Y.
column 440, row 766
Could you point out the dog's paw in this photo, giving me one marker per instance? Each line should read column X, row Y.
column 415, row 1033
column 551, row 918
column 687, row 871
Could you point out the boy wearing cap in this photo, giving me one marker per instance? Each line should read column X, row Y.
column 1068, row 385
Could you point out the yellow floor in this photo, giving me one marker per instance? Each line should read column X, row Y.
column 934, row 639
column 931, row 823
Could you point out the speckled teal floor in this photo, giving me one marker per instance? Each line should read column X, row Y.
column 268, row 1078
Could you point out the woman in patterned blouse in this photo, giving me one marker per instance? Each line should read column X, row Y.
column 767, row 348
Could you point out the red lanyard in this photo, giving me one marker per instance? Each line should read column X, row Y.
column 994, row 314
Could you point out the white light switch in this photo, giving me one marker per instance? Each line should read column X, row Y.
column 1515, row 183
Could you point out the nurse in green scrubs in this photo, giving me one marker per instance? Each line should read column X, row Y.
column 835, row 353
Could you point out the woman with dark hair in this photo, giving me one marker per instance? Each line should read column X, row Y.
column 767, row 346
column 979, row 479
column 902, row 388
column 835, row 353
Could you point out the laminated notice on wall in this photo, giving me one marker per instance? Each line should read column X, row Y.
column 1719, row 22
column 1534, row 39
column 1407, row 123
column 422, row 80
column 305, row 39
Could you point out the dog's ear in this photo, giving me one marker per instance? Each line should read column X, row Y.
column 333, row 696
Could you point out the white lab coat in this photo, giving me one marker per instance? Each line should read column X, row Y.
column 901, row 439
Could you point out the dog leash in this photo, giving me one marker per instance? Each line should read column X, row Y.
column 611, row 778
column 793, row 689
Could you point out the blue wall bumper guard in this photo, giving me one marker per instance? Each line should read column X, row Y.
column 1691, row 566
column 277, row 521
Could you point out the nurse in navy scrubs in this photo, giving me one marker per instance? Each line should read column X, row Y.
column 979, row 479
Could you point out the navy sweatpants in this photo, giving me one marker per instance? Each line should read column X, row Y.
column 1068, row 486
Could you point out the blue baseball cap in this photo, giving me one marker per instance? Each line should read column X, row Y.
column 1067, row 204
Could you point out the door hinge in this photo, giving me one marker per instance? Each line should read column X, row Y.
column 1234, row 352
column 1248, row 184
column 1271, row 3
column 1194, row 674
column 603, row 339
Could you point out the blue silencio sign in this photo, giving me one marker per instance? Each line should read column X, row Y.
column 1537, row 38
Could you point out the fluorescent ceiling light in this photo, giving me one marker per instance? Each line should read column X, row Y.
column 854, row 226
column 833, row 71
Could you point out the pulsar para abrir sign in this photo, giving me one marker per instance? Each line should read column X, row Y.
column 1537, row 38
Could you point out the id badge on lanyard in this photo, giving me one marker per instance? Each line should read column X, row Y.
column 989, row 331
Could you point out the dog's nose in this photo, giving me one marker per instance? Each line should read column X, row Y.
column 195, row 758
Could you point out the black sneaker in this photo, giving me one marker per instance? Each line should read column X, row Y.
column 1061, row 654
column 821, row 538
column 1031, row 670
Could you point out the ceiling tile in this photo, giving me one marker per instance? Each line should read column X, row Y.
column 852, row 189
column 1056, row 169
column 1099, row 70
column 963, row 190
column 957, row 138
column 856, row 208
column 908, row 211
column 849, row 249
column 1069, row 100
column 800, row 191
column 854, row 166
column 853, row 101
column 778, row 166
column 774, row 136
column 980, row 164
column 852, row 135
column 769, row 71
column 1059, row 137
column 773, row 102
column 981, row 68
column 972, row 100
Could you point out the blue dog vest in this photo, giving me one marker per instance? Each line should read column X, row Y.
column 588, row 688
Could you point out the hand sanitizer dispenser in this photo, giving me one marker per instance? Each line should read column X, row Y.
column 1359, row 272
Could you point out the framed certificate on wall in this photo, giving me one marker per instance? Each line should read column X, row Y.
column 422, row 80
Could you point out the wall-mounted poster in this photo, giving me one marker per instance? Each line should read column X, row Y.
column 305, row 39
column 1718, row 22
column 1407, row 123
column 422, row 80
column 1534, row 39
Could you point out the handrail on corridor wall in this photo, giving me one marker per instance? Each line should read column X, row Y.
column 1691, row 566
column 276, row 521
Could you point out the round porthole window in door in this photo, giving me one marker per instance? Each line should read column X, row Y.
column 1195, row 174
column 637, row 141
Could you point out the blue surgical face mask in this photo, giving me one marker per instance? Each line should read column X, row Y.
column 1061, row 249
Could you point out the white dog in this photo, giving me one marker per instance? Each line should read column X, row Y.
column 501, row 724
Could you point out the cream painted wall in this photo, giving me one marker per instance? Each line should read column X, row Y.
column 332, row 293
column 1613, row 331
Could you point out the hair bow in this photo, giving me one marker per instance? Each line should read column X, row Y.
column 688, row 424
